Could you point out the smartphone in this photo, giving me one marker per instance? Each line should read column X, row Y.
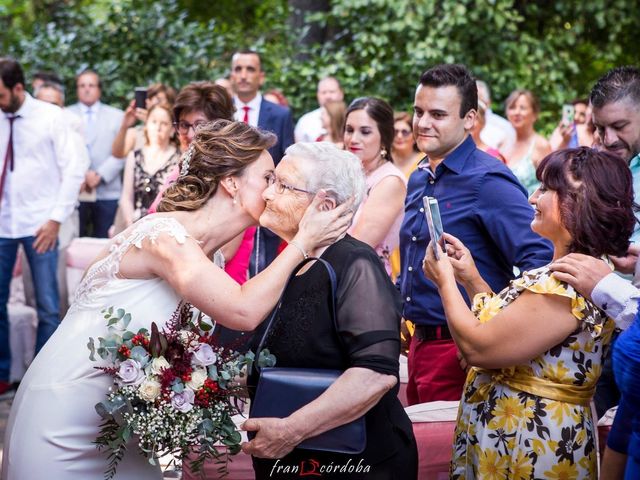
column 432, row 212
column 141, row 97
column 568, row 114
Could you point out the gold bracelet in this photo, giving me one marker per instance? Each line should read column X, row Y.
column 299, row 247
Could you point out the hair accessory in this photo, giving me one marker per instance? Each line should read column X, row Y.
column 186, row 160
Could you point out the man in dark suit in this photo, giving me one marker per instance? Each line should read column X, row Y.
column 247, row 77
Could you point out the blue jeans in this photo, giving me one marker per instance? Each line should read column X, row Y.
column 43, row 270
column 97, row 217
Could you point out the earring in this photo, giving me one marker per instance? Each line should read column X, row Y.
column 383, row 152
column 235, row 201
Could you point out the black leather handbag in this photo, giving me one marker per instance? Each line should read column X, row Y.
column 282, row 391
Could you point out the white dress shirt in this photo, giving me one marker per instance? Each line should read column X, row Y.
column 497, row 132
column 309, row 127
column 254, row 109
column 618, row 298
column 48, row 169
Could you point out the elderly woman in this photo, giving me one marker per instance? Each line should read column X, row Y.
column 537, row 346
column 368, row 317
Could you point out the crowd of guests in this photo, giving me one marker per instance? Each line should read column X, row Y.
column 515, row 313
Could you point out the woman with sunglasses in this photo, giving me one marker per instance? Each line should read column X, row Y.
column 404, row 150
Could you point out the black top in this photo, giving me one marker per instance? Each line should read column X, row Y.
column 147, row 185
column 368, row 318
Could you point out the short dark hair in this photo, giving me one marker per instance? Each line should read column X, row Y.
column 47, row 77
column 382, row 113
column 11, row 72
column 616, row 85
column 595, row 194
column 206, row 97
column 577, row 101
column 248, row 51
column 88, row 71
column 456, row 75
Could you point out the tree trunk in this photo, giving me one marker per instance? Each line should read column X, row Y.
column 310, row 33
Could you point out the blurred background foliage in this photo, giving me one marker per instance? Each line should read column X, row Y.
column 375, row 47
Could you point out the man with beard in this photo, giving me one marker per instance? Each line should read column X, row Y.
column 40, row 179
column 615, row 99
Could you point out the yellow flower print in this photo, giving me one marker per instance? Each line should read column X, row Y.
column 490, row 309
column 562, row 471
column 588, row 462
column 558, row 411
column 578, row 306
column 593, row 374
column 556, row 372
column 491, row 466
column 507, row 414
column 521, row 468
column 549, row 285
column 538, row 446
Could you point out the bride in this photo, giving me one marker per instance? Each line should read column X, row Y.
column 147, row 270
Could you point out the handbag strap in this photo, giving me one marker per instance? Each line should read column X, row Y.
column 334, row 289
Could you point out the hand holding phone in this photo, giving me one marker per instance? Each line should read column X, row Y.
column 141, row 97
column 432, row 212
column 568, row 114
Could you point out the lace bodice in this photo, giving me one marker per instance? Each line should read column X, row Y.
column 106, row 269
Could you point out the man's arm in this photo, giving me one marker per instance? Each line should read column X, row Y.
column 593, row 278
column 507, row 216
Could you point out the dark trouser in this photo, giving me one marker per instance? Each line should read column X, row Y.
column 43, row 270
column 97, row 217
column 265, row 249
column 607, row 394
column 434, row 371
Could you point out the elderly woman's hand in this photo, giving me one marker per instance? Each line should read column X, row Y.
column 439, row 271
column 321, row 226
column 274, row 437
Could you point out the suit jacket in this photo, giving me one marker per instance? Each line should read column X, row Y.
column 99, row 140
column 277, row 119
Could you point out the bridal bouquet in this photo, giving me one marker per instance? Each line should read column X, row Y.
column 173, row 391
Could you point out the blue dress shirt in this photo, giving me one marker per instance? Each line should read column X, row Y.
column 483, row 204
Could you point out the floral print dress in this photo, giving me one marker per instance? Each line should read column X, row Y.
column 533, row 421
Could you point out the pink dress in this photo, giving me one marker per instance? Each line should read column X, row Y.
column 392, row 239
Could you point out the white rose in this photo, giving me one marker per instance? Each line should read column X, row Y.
column 197, row 379
column 158, row 364
column 149, row 390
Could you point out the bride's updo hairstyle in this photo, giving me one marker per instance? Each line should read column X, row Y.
column 220, row 149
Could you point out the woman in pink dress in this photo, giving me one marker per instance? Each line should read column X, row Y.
column 369, row 134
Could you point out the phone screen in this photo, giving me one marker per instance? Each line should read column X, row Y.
column 432, row 212
column 568, row 114
column 141, row 97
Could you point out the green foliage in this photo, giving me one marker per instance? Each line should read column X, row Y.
column 375, row 47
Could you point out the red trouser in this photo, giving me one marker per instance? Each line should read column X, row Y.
column 434, row 371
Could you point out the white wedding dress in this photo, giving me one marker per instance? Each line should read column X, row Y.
column 53, row 422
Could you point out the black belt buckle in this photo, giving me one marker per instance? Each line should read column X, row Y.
column 426, row 333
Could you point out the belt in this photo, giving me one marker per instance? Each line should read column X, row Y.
column 425, row 333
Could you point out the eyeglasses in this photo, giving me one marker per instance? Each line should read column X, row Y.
column 183, row 127
column 280, row 187
column 403, row 133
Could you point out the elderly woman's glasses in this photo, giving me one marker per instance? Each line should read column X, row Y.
column 184, row 127
column 280, row 186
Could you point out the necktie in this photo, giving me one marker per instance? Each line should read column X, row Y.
column 246, row 114
column 8, row 158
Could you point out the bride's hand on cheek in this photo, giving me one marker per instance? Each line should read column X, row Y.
column 439, row 271
column 321, row 225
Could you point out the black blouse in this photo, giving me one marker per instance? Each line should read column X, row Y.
column 368, row 318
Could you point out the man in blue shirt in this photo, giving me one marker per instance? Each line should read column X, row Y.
column 481, row 202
